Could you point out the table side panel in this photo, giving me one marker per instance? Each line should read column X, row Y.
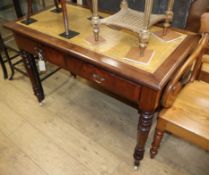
column 115, row 84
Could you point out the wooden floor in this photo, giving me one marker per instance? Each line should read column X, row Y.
column 80, row 131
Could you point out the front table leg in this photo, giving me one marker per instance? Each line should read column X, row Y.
column 144, row 125
column 30, row 65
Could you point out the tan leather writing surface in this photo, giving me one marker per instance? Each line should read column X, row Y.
column 117, row 42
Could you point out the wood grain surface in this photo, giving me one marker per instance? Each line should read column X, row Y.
column 157, row 79
column 78, row 118
column 190, row 112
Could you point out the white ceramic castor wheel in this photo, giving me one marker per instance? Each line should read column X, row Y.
column 136, row 168
column 41, row 103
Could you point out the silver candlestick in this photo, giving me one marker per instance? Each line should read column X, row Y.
column 95, row 20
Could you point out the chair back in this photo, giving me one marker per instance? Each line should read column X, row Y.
column 189, row 71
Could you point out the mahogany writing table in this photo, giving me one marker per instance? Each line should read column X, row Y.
column 104, row 63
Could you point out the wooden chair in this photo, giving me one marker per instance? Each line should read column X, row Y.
column 5, row 49
column 186, row 116
column 193, row 24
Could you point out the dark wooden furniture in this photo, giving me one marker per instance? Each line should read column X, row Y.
column 5, row 49
column 17, row 7
column 188, row 115
column 103, row 63
column 5, row 74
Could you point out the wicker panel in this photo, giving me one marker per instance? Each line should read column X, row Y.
column 131, row 19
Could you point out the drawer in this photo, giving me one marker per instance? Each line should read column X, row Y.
column 54, row 56
column 109, row 81
column 26, row 44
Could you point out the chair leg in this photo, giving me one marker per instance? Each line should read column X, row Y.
column 3, row 67
column 4, row 49
column 10, row 63
column 159, row 132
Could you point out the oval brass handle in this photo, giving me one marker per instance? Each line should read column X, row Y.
column 97, row 78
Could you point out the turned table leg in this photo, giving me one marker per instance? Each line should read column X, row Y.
column 30, row 65
column 144, row 125
column 5, row 74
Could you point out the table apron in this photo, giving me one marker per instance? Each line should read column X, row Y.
column 114, row 83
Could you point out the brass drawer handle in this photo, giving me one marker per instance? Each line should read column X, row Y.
column 98, row 79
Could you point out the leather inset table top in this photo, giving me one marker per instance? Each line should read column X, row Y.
column 117, row 42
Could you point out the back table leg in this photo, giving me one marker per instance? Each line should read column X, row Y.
column 30, row 65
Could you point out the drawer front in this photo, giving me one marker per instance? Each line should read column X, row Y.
column 26, row 44
column 54, row 56
column 109, row 81
column 105, row 79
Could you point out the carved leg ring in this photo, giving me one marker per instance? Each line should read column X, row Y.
column 156, row 143
column 30, row 65
column 145, row 122
column 144, row 37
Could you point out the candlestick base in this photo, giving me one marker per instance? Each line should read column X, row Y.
column 168, row 37
column 90, row 18
column 70, row 35
column 28, row 21
column 134, row 56
column 59, row 10
column 91, row 40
